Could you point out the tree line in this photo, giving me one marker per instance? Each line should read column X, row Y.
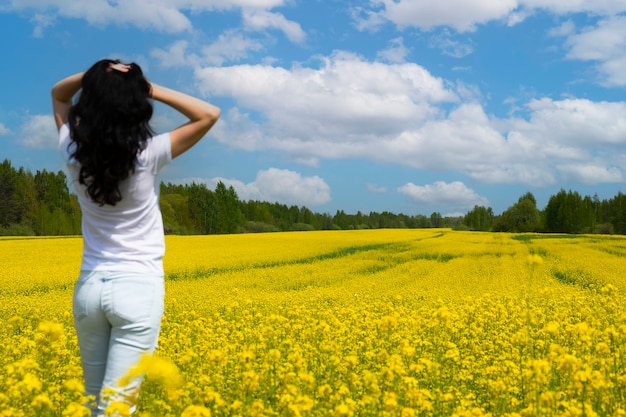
column 566, row 212
column 42, row 204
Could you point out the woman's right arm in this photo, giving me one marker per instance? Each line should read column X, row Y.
column 62, row 93
column 202, row 116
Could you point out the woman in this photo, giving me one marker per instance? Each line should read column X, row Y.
column 113, row 159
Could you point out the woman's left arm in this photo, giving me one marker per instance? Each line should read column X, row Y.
column 62, row 93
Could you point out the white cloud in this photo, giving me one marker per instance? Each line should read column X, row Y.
column 598, row 7
column 163, row 15
column 466, row 15
column 41, row 22
column 176, row 55
column 39, row 132
column 604, row 43
column 396, row 52
column 159, row 15
column 278, row 185
column 367, row 20
column 592, row 172
column 230, row 46
column 398, row 114
column 449, row 46
column 566, row 28
column 260, row 20
column 578, row 122
column 4, row 130
column 345, row 97
column 376, row 189
column 462, row 15
column 455, row 195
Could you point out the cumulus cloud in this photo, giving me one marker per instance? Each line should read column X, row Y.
column 592, row 172
column 462, row 15
column 454, row 195
column 260, row 20
column 163, row 15
column 345, row 97
column 401, row 114
column 598, row 7
column 230, row 46
column 278, row 185
column 38, row 132
column 578, row 123
column 466, row 15
column 604, row 43
column 176, row 55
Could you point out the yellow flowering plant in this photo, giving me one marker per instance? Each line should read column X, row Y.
column 346, row 323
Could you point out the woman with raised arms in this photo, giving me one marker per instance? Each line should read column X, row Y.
column 113, row 158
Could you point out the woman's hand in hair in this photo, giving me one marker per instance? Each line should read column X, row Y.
column 119, row 67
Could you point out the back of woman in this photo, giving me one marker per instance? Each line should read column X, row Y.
column 113, row 158
column 128, row 235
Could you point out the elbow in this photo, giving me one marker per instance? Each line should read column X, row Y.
column 215, row 114
column 212, row 116
column 57, row 95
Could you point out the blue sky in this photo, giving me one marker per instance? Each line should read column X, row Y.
column 410, row 106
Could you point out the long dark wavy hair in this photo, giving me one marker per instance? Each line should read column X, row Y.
column 110, row 125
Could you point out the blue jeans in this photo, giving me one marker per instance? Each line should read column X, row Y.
column 117, row 316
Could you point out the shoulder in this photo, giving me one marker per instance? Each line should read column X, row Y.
column 158, row 150
column 159, row 144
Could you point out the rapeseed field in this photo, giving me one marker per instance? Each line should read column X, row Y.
column 404, row 323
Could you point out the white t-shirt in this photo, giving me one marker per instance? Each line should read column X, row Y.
column 127, row 237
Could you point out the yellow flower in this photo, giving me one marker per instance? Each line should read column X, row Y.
column 30, row 383
column 49, row 331
column 342, row 410
column 154, row 368
column 534, row 260
column 552, row 328
column 257, row 408
column 273, row 356
column 73, row 385
column 251, row 380
column 117, row 409
column 41, row 401
column 76, row 410
column 390, row 400
column 196, row 411
column 408, row 412
column 236, row 406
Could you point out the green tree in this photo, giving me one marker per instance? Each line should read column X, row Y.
column 229, row 216
column 523, row 216
column 9, row 211
column 202, row 208
column 618, row 213
column 568, row 212
column 436, row 220
column 479, row 218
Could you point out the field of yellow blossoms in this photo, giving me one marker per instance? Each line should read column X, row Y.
column 429, row 322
